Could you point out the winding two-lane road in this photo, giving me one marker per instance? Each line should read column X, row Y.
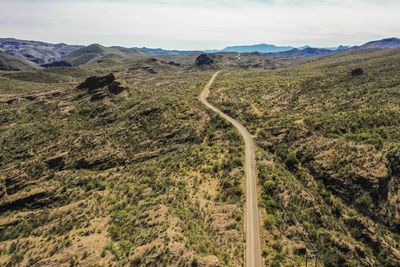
column 252, row 223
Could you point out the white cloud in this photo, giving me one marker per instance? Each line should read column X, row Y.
column 195, row 24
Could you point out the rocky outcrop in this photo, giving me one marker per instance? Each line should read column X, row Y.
column 365, row 178
column 204, row 60
column 15, row 181
column 96, row 82
column 357, row 72
column 359, row 168
column 36, row 97
column 34, row 199
column 57, row 161
column 102, row 86
column 103, row 160
column 56, row 64
column 394, row 163
column 116, row 88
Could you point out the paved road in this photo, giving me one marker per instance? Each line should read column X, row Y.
column 252, row 223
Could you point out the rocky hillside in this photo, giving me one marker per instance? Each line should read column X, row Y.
column 329, row 148
column 96, row 53
column 117, row 165
column 306, row 52
column 381, row 44
column 35, row 51
column 13, row 63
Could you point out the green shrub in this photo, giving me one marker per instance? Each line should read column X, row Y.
column 291, row 161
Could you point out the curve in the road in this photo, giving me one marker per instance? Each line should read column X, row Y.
column 252, row 223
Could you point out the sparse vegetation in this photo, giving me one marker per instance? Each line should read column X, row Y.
column 122, row 180
column 326, row 140
column 148, row 176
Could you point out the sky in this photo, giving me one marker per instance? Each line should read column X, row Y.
column 201, row 24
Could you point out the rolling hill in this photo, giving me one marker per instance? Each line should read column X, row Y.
column 329, row 156
column 95, row 52
column 116, row 162
column 10, row 62
column 117, row 169
column 381, row 44
column 36, row 51
column 164, row 52
column 306, row 52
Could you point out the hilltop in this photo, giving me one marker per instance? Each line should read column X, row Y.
column 95, row 53
column 381, row 44
column 306, row 52
column 36, row 51
column 116, row 162
column 63, row 55
column 9, row 62
column 329, row 153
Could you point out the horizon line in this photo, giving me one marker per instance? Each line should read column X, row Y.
column 200, row 50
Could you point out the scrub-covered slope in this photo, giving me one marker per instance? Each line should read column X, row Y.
column 329, row 153
column 126, row 169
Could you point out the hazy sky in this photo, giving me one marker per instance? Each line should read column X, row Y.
column 200, row 24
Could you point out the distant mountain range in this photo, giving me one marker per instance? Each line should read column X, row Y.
column 96, row 52
column 36, row 51
column 268, row 48
column 55, row 55
column 306, row 52
column 163, row 52
column 384, row 43
column 261, row 48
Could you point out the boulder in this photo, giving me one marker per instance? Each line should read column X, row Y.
column 172, row 63
column 117, row 87
column 357, row 72
column 204, row 60
column 98, row 95
column 299, row 249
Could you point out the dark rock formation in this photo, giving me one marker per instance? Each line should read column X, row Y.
column 101, row 87
column 149, row 111
column 394, row 163
column 100, row 161
column 14, row 182
column 357, row 72
column 96, row 82
column 56, row 64
column 116, row 88
column 32, row 200
column 98, row 95
column 204, row 60
column 172, row 63
column 57, row 161
column 300, row 249
column 150, row 70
